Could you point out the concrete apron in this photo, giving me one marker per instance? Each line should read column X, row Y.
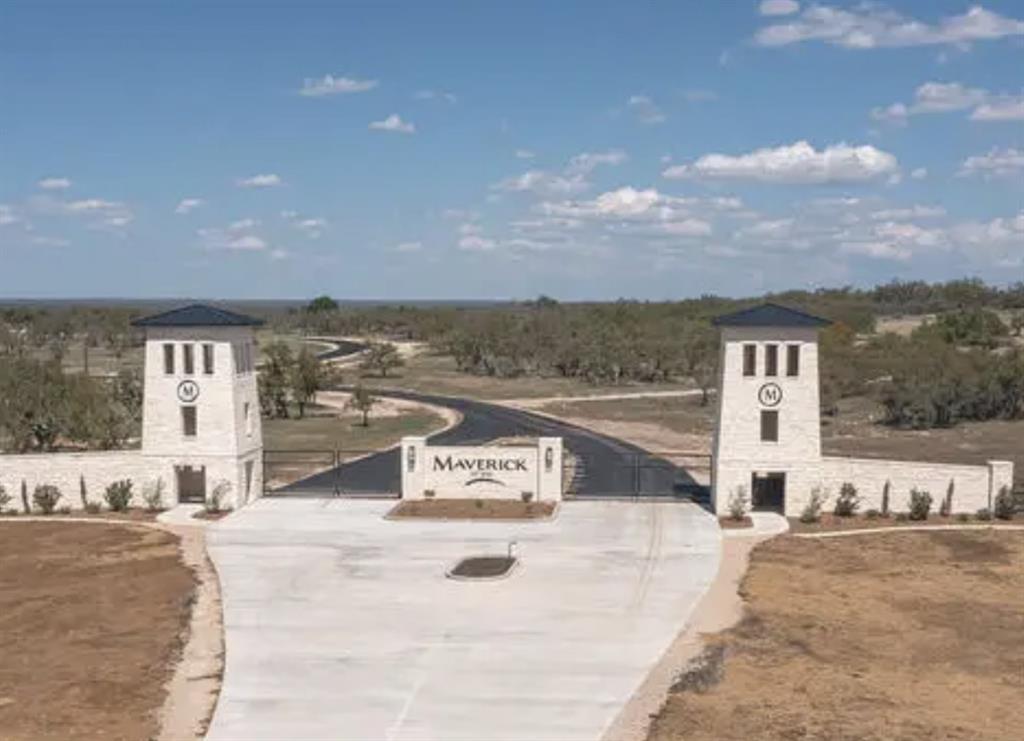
column 341, row 625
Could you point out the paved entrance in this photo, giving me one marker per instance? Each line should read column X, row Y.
column 341, row 625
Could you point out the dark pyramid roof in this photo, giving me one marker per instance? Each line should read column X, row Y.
column 198, row 315
column 770, row 315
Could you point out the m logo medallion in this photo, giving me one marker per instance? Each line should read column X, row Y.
column 188, row 391
column 770, row 395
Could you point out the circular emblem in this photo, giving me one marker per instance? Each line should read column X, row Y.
column 770, row 395
column 188, row 391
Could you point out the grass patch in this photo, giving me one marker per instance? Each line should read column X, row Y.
column 331, row 432
column 683, row 414
column 429, row 373
column 915, row 636
column 472, row 509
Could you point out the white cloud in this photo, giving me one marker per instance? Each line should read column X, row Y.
column 525, row 154
column 246, row 242
column 919, row 173
column 912, row 212
column 873, row 25
column 876, row 250
column 945, row 97
column 768, row 229
column 331, row 85
column 686, row 228
column 186, row 205
column 435, row 95
column 269, row 180
column 279, row 254
column 236, row 237
column 543, row 182
column 795, row 163
column 93, row 204
column 54, row 183
column 572, row 179
column 44, row 241
column 8, row 215
column 477, row 243
column 997, row 163
column 312, row 228
column 645, row 110
column 243, row 224
column 1001, row 108
column 409, row 247
column 778, row 7
column 394, row 123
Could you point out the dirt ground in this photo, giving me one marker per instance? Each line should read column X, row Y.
column 90, row 618
column 911, row 636
column 472, row 509
column 830, row 522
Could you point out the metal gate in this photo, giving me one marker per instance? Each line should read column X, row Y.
column 330, row 473
column 674, row 474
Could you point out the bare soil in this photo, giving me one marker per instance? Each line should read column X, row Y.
column 728, row 523
column 132, row 515
column 830, row 523
column 472, row 509
column 913, row 636
column 91, row 617
column 483, row 567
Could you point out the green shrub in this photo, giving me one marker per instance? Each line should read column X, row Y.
column 848, row 501
column 82, row 493
column 1003, row 506
column 984, row 514
column 5, row 498
column 45, row 497
column 901, row 517
column 154, row 496
column 963, row 517
column 738, row 503
column 920, row 504
column 526, row 496
column 215, row 501
column 24, row 498
column 812, row 510
column 885, row 498
column 872, row 514
column 65, row 510
column 119, row 495
column 946, row 508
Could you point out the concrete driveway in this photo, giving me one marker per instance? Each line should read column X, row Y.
column 341, row 625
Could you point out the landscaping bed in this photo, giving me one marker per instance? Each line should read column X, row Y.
column 91, row 617
column 132, row 515
column 472, row 509
column 915, row 636
column 482, row 567
column 831, row 522
column 730, row 523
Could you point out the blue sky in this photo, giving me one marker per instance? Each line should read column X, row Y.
column 585, row 150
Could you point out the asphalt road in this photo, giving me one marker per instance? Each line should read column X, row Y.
column 606, row 467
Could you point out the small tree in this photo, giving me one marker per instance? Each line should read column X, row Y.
column 322, row 304
column 24, row 498
column 382, row 357
column 119, row 495
column 885, row 498
column 1003, row 505
column 738, row 502
column 362, row 401
column 82, row 494
column 5, row 498
column 45, row 497
column 848, row 501
column 920, row 504
column 815, row 503
column 153, row 496
column 305, row 379
column 946, row 508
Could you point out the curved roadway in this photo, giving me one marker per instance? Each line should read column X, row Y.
column 605, row 465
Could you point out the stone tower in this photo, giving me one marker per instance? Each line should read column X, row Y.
column 201, row 416
column 768, row 436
